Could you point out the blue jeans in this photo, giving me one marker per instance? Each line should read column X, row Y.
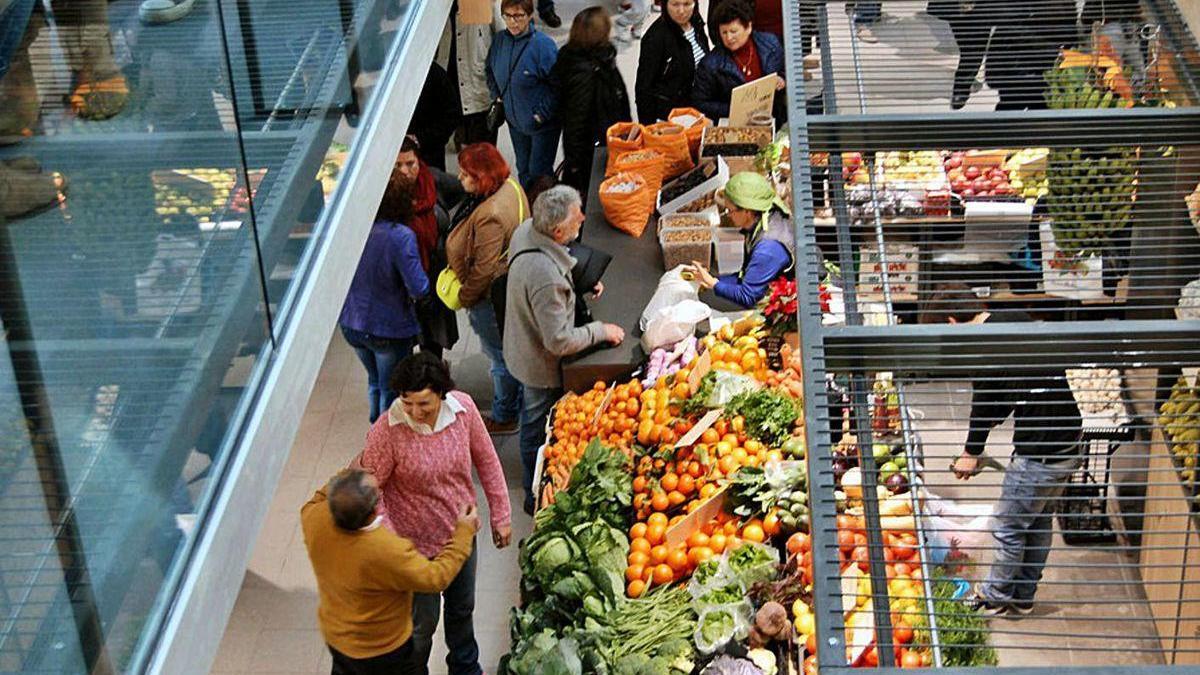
column 462, row 657
column 506, row 391
column 536, row 404
column 379, row 356
column 535, row 153
column 1024, row 528
column 13, row 22
column 867, row 13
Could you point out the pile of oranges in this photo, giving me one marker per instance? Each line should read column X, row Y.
column 653, row 563
column 740, row 355
column 578, row 418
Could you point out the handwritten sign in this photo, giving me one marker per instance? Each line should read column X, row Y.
column 900, row 261
column 1189, row 376
column 751, row 99
column 475, row 12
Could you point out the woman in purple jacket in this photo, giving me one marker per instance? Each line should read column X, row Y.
column 379, row 317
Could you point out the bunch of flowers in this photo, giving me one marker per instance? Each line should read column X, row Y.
column 780, row 307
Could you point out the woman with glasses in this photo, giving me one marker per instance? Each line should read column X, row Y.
column 518, row 68
column 750, row 204
column 742, row 55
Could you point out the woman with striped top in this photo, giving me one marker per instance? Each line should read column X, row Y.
column 671, row 48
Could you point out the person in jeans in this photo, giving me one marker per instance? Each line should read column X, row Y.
column 1046, row 433
column 379, row 318
column 518, row 71
column 366, row 575
column 422, row 452
column 481, row 229
column 539, row 315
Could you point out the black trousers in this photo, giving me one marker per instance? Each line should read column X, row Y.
column 384, row 664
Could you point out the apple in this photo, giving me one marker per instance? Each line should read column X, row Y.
column 972, row 172
column 1002, row 188
column 954, row 162
column 981, row 184
column 967, row 192
column 960, row 184
column 955, row 174
column 997, row 175
column 852, row 160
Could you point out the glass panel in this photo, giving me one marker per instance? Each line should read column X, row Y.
column 132, row 310
column 306, row 70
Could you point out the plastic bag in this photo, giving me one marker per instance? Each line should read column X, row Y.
column 674, row 323
column 951, row 525
column 672, row 289
column 646, row 163
column 618, row 142
column 695, row 131
column 628, row 202
column 734, row 620
column 671, row 140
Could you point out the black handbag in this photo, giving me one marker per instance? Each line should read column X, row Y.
column 495, row 111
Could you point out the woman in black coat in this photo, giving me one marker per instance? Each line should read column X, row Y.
column 591, row 93
column 671, row 48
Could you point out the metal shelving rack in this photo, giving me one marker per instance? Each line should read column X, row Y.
column 95, row 457
column 1143, row 334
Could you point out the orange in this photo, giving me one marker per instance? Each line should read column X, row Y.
column 638, row 558
column 638, row 531
column 657, row 519
column 676, row 498
column 599, row 386
column 658, row 554
column 675, row 519
column 717, row 542
column 640, row 546
column 707, row 491
column 681, row 390
column 699, row 554
column 677, row 560
column 660, row 502
column 752, row 446
column 710, row 435
column 669, row 482
column 731, row 527
column 771, row 525
column 687, row 484
column 639, row 484
column 636, row 588
column 663, row 574
column 727, row 465
column 655, row 534
column 739, row 455
column 697, row 538
column 753, row 532
column 634, row 572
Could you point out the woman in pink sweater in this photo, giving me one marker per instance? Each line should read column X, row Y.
column 421, row 452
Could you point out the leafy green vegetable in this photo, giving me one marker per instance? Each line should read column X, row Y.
column 717, row 626
column 707, row 570
column 599, row 487
column 961, row 632
column 770, row 414
column 722, row 596
column 546, row 654
column 697, row 402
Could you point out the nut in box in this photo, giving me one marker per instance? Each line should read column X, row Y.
column 685, row 245
column 681, row 220
column 734, row 141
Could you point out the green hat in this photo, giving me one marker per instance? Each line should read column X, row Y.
column 749, row 190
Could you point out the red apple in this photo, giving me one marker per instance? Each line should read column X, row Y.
column 997, row 175
column 954, row 162
column 972, row 172
column 960, row 184
column 968, row 192
column 981, row 184
column 1002, row 188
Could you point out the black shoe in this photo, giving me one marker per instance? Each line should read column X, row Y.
column 496, row 428
column 527, row 507
column 1021, row 608
column 980, row 604
column 957, row 101
column 550, row 19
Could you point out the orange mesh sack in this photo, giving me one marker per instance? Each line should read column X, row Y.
column 621, row 138
column 646, row 163
column 628, row 202
column 671, row 140
column 693, row 131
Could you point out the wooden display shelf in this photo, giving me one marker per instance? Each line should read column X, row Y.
column 1170, row 557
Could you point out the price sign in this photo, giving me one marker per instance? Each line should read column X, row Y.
column 750, row 99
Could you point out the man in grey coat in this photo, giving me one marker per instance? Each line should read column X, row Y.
column 539, row 315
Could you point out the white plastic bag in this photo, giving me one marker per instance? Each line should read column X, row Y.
column 672, row 289
column 952, row 525
column 673, row 323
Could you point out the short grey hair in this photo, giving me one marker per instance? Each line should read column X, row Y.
column 551, row 207
column 351, row 499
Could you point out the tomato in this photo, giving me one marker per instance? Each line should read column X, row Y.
column 658, row 554
column 904, row 551
column 638, row 558
column 697, row 539
column 845, row 541
column 798, row 543
column 911, row 659
column 902, row 633
column 640, row 546
column 657, row 519
column 699, row 555
column 634, row 572
column 637, row 531
column 636, row 588
column 660, row 501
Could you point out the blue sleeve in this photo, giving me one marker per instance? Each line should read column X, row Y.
column 544, row 59
column 704, row 91
column 767, row 260
column 490, row 68
column 777, row 63
column 406, row 260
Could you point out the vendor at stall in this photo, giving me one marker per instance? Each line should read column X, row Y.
column 750, row 204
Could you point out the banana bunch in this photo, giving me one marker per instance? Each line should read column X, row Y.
column 1073, row 88
column 1179, row 416
column 1090, row 196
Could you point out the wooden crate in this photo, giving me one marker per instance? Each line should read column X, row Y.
column 1169, row 531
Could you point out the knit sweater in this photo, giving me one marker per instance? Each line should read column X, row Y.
column 425, row 479
column 366, row 580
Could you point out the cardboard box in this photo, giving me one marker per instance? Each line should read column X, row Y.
column 758, row 136
column 903, row 262
column 1069, row 277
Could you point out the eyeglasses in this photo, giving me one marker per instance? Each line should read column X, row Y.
column 515, row 17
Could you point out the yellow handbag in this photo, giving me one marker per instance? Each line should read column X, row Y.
column 448, row 284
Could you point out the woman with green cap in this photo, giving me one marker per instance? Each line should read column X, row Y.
column 750, row 204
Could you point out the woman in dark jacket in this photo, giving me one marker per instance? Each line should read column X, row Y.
column 671, row 48
column 379, row 317
column 744, row 55
column 591, row 93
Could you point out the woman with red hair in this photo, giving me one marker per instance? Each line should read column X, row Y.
column 476, row 250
